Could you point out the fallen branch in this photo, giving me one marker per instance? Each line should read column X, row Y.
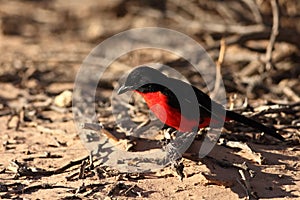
column 22, row 170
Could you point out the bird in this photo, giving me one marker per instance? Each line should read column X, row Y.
column 181, row 105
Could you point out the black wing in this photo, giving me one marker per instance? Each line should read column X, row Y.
column 191, row 96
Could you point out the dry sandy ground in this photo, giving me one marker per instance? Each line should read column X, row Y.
column 46, row 139
column 42, row 157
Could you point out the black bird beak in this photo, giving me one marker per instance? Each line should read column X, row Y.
column 124, row 89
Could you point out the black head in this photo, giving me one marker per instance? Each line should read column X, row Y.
column 141, row 76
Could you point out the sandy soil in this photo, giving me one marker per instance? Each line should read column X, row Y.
column 43, row 44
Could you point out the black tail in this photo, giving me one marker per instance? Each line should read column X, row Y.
column 254, row 124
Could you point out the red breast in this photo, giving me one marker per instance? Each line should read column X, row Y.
column 158, row 103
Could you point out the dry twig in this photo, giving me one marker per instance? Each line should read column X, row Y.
column 255, row 11
column 274, row 33
column 96, row 127
column 218, row 69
